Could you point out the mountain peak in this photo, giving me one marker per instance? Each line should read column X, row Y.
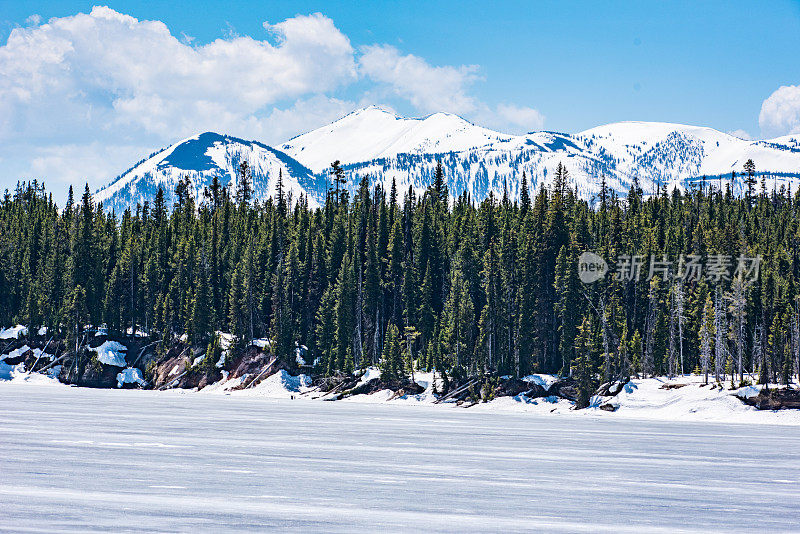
column 368, row 113
column 374, row 133
column 374, row 108
column 645, row 131
column 203, row 157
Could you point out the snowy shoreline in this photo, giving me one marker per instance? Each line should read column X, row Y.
column 643, row 399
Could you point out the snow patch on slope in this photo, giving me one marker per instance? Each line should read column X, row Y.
column 16, row 374
column 280, row 385
column 374, row 132
column 14, row 332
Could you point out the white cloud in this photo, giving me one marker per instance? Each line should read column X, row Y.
column 428, row 88
column 107, row 70
column 300, row 117
column 780, row 112
column 741, row 134
column 442, row 88
column 521, row 116
column 77, row 92
column 77, row 164
column 83, row 97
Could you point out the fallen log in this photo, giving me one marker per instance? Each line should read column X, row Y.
column 457, row 391
column 775, row 399
column 400, row 387
column 173, row 381
column 266, row 368
column 51, row 364
column 672, row 386
column 141, row 352
column 40, row 354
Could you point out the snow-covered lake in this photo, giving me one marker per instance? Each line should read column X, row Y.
column 86, row 460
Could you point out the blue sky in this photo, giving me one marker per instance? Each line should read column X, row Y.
column 512, row 66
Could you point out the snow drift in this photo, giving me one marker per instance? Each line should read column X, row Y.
column 111, row 353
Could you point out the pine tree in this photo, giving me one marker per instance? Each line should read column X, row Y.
column 582, row 365
column 282, row 309
column 439, row 185
column 636, row 353
column 237, row 306
column 201, row 312
column 244, row 190
column 458, row 321
column 410, row 334
column 425, row 314
column 721, row 332
column 707, row 335
column 653, row 300
column 738, row 312
column 326, row 330
column 488, row 322
column 774, row 348
column 391, row 364
column 524, row 196
column 212, row 355
column 566, row 306
column 344, row 315
column 338, row 177
column 750, row 180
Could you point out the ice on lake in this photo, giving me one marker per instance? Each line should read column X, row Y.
column 88, row 460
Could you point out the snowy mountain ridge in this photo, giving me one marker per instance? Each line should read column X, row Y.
column 204, row 156
column 374, row 132
column 481, row 161
column 376, row 143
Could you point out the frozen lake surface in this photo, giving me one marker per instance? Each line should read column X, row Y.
column 98, row 460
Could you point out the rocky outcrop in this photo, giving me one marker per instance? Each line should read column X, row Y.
column 774, row 399
column 401, row 387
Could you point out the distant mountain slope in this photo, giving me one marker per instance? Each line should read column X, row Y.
column 675, row 153
column 204, row 156
column 373, row 132
column 383, row 147
column 375, row 143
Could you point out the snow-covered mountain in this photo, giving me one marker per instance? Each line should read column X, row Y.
column 204, row 156
column 679, row 154
column 382, row 146
column 376, row 143
column 374, row 132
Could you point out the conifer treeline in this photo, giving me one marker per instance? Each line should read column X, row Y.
column 386, row 279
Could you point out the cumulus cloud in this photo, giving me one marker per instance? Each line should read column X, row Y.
column 62, row 165
column 741, row 134
column 521, row 116
column 780, row 112
column 302, row 116
column 428, row 88
column 432, row 88
column 111, row 70
column 84, row 96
